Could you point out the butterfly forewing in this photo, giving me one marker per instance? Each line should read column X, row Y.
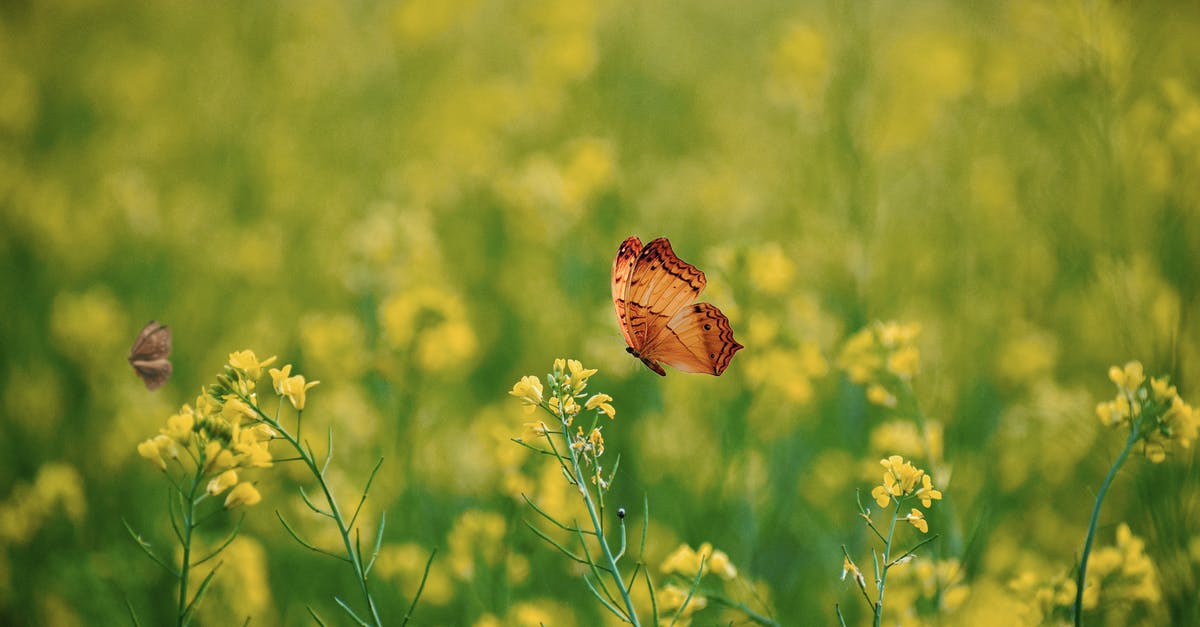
column 659, row 285
column 148, row 356
column 622, row 268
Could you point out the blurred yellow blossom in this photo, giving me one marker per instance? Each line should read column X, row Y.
column 1153, row 410
column 475, row 540
column 883, row 357
column 242, row 494
column 800, row 67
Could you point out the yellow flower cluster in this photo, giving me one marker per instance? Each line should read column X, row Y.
column 1151, row 408
column 57, row 487
column 902, row 480
column 567, row 383
column 925, row 590
column 1123, row 574
column 686, row 561
column 880, row 356
column 223, row 433
column 681, row 567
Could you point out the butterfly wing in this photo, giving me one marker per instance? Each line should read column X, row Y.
column 622, row 268
column 148, row 356
column 154, row 373
column 660, row 284
column 696, row 339
column 154, row 342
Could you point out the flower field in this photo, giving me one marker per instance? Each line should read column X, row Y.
column 956, row 244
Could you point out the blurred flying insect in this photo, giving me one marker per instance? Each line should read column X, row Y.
column 149, row 355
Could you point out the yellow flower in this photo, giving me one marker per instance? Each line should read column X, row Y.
column 579, row 375
column 904, row 362
column 179, row 426
column 235, row 409
column 242, row 494
column 149, row 450
column 279, row 376
column 222, row 482
column 719, row 563
column 672, row 597
column 900, row 479
column 247, row 362
column 1129, row 378
column 878, row 395
column 849, row 568
column 294, row 387
column 219, row 457
column 596, row 442
column 683, row 560
column 917, row 519
column 601, row 402
column 1163, row 390
column 534, row 431
column 569, row 408
column 529, row 390
column 927, row 494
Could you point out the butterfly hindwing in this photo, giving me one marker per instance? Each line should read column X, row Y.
column 154, row 373
column 660, row 284
column 698, row 338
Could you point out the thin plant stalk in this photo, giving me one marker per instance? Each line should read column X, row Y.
column 189, row 523
column 886, row 564
column 352, row 554
column 581, row 482
column 1081, row 576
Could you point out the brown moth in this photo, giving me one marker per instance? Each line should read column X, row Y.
column 149, row 354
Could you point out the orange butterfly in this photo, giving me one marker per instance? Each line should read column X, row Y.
column 653, row 291
column 149, row 355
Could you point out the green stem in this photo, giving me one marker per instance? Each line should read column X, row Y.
column 1081, row 576
column 887, row 564
column 351, row 551
column 189, row 523
column 581, row 483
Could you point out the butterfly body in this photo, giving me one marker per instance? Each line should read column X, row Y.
column 653, row 292
column 148, row 356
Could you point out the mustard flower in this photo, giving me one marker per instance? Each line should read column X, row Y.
column 1152, row 408
column 568, row 409
column 851, row 569
column 222, row 482
column 293, row 387
column 179, row 426
column 881, row 357
column 529, row 390
column 149, row 450
column 927, row 494
column 247, row 362
column 242, row 494
column 534, row 430
column 917, row 519
column 601, row 402
column 579, row 376
column 721, row 566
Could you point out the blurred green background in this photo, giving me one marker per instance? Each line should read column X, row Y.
column 418, row 202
